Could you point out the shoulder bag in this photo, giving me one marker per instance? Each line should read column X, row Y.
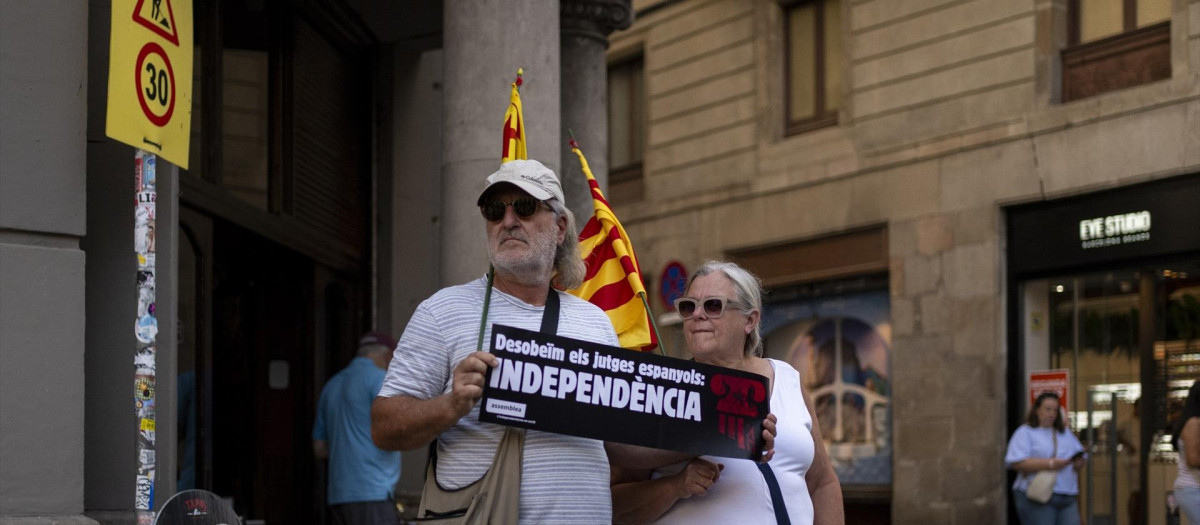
column 496, row 497
column 781, row 514
column 1041, row 487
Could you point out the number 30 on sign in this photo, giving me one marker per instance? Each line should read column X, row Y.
column 156, row 84
column 150, row 77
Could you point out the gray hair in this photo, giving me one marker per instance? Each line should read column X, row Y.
column 749, row 297
column 568, row 264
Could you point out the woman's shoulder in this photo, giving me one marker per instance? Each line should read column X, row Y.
column 783, row 367
column 1024, row 437
column 785, row 373
column 1024, row 429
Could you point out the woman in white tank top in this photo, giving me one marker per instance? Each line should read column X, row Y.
column 721, row 311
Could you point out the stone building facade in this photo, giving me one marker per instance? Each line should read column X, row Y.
column 886, row 220
column 337, row 150
column 952, row 111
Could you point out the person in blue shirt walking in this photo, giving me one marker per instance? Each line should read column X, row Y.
column 1045, row 443
column 361, row 476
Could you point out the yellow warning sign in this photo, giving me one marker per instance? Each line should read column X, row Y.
column 159, row 17
column 150, row 77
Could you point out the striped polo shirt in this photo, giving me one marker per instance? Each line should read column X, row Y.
column 564, row 479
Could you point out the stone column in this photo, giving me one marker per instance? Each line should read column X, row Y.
column 485, row 42
column 585, row 28
column 43, row 162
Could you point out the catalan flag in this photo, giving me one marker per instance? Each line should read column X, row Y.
column 613, row 280
column 514, row 125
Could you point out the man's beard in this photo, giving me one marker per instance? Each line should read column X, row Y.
column 532, row 267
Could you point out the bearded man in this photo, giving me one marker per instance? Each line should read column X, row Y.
column 436, row 377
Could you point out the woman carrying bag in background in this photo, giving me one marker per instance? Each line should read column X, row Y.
column 1047, row 457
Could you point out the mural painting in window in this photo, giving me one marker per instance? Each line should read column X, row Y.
column 842, row 348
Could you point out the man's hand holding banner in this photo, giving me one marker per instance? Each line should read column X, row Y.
column 567, row 386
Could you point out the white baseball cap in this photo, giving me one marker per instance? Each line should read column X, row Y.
column 530, row 176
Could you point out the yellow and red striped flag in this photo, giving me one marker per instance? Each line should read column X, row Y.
column 514, row 126
column 613, row 280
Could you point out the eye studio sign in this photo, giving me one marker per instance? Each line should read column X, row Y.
column 1118, row 225
column 1115, row 230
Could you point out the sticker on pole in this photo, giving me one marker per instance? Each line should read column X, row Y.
column 150, row 77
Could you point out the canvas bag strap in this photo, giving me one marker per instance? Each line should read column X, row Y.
column 549, row 326
column 550, row 314
column 781, row 515
column 487, row 301
column 1054, row 454
column 502, row 482
column 512, row 443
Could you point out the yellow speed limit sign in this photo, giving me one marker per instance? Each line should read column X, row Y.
column 150, row 77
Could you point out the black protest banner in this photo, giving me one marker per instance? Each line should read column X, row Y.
column 567, row 386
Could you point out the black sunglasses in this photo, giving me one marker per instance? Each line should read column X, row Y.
column 714, row 307
column 525, row 207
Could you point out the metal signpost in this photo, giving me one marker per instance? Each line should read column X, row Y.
column 149, row 108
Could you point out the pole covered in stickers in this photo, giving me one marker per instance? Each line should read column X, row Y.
column 150, row 109
column 145, row 329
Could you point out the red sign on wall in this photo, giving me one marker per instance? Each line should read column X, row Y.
column 1056, row 381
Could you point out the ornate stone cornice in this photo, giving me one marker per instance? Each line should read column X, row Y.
column 594, row 18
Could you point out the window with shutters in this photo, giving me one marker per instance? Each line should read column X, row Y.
column 281, row 122
column 813, row 58
column 237, row 134
column 1115, row 44
column 626, row 129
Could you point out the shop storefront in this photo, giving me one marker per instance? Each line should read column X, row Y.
column 1106, row 286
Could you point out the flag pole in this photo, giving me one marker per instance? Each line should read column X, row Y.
column 654, row 325
column 641, row 295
